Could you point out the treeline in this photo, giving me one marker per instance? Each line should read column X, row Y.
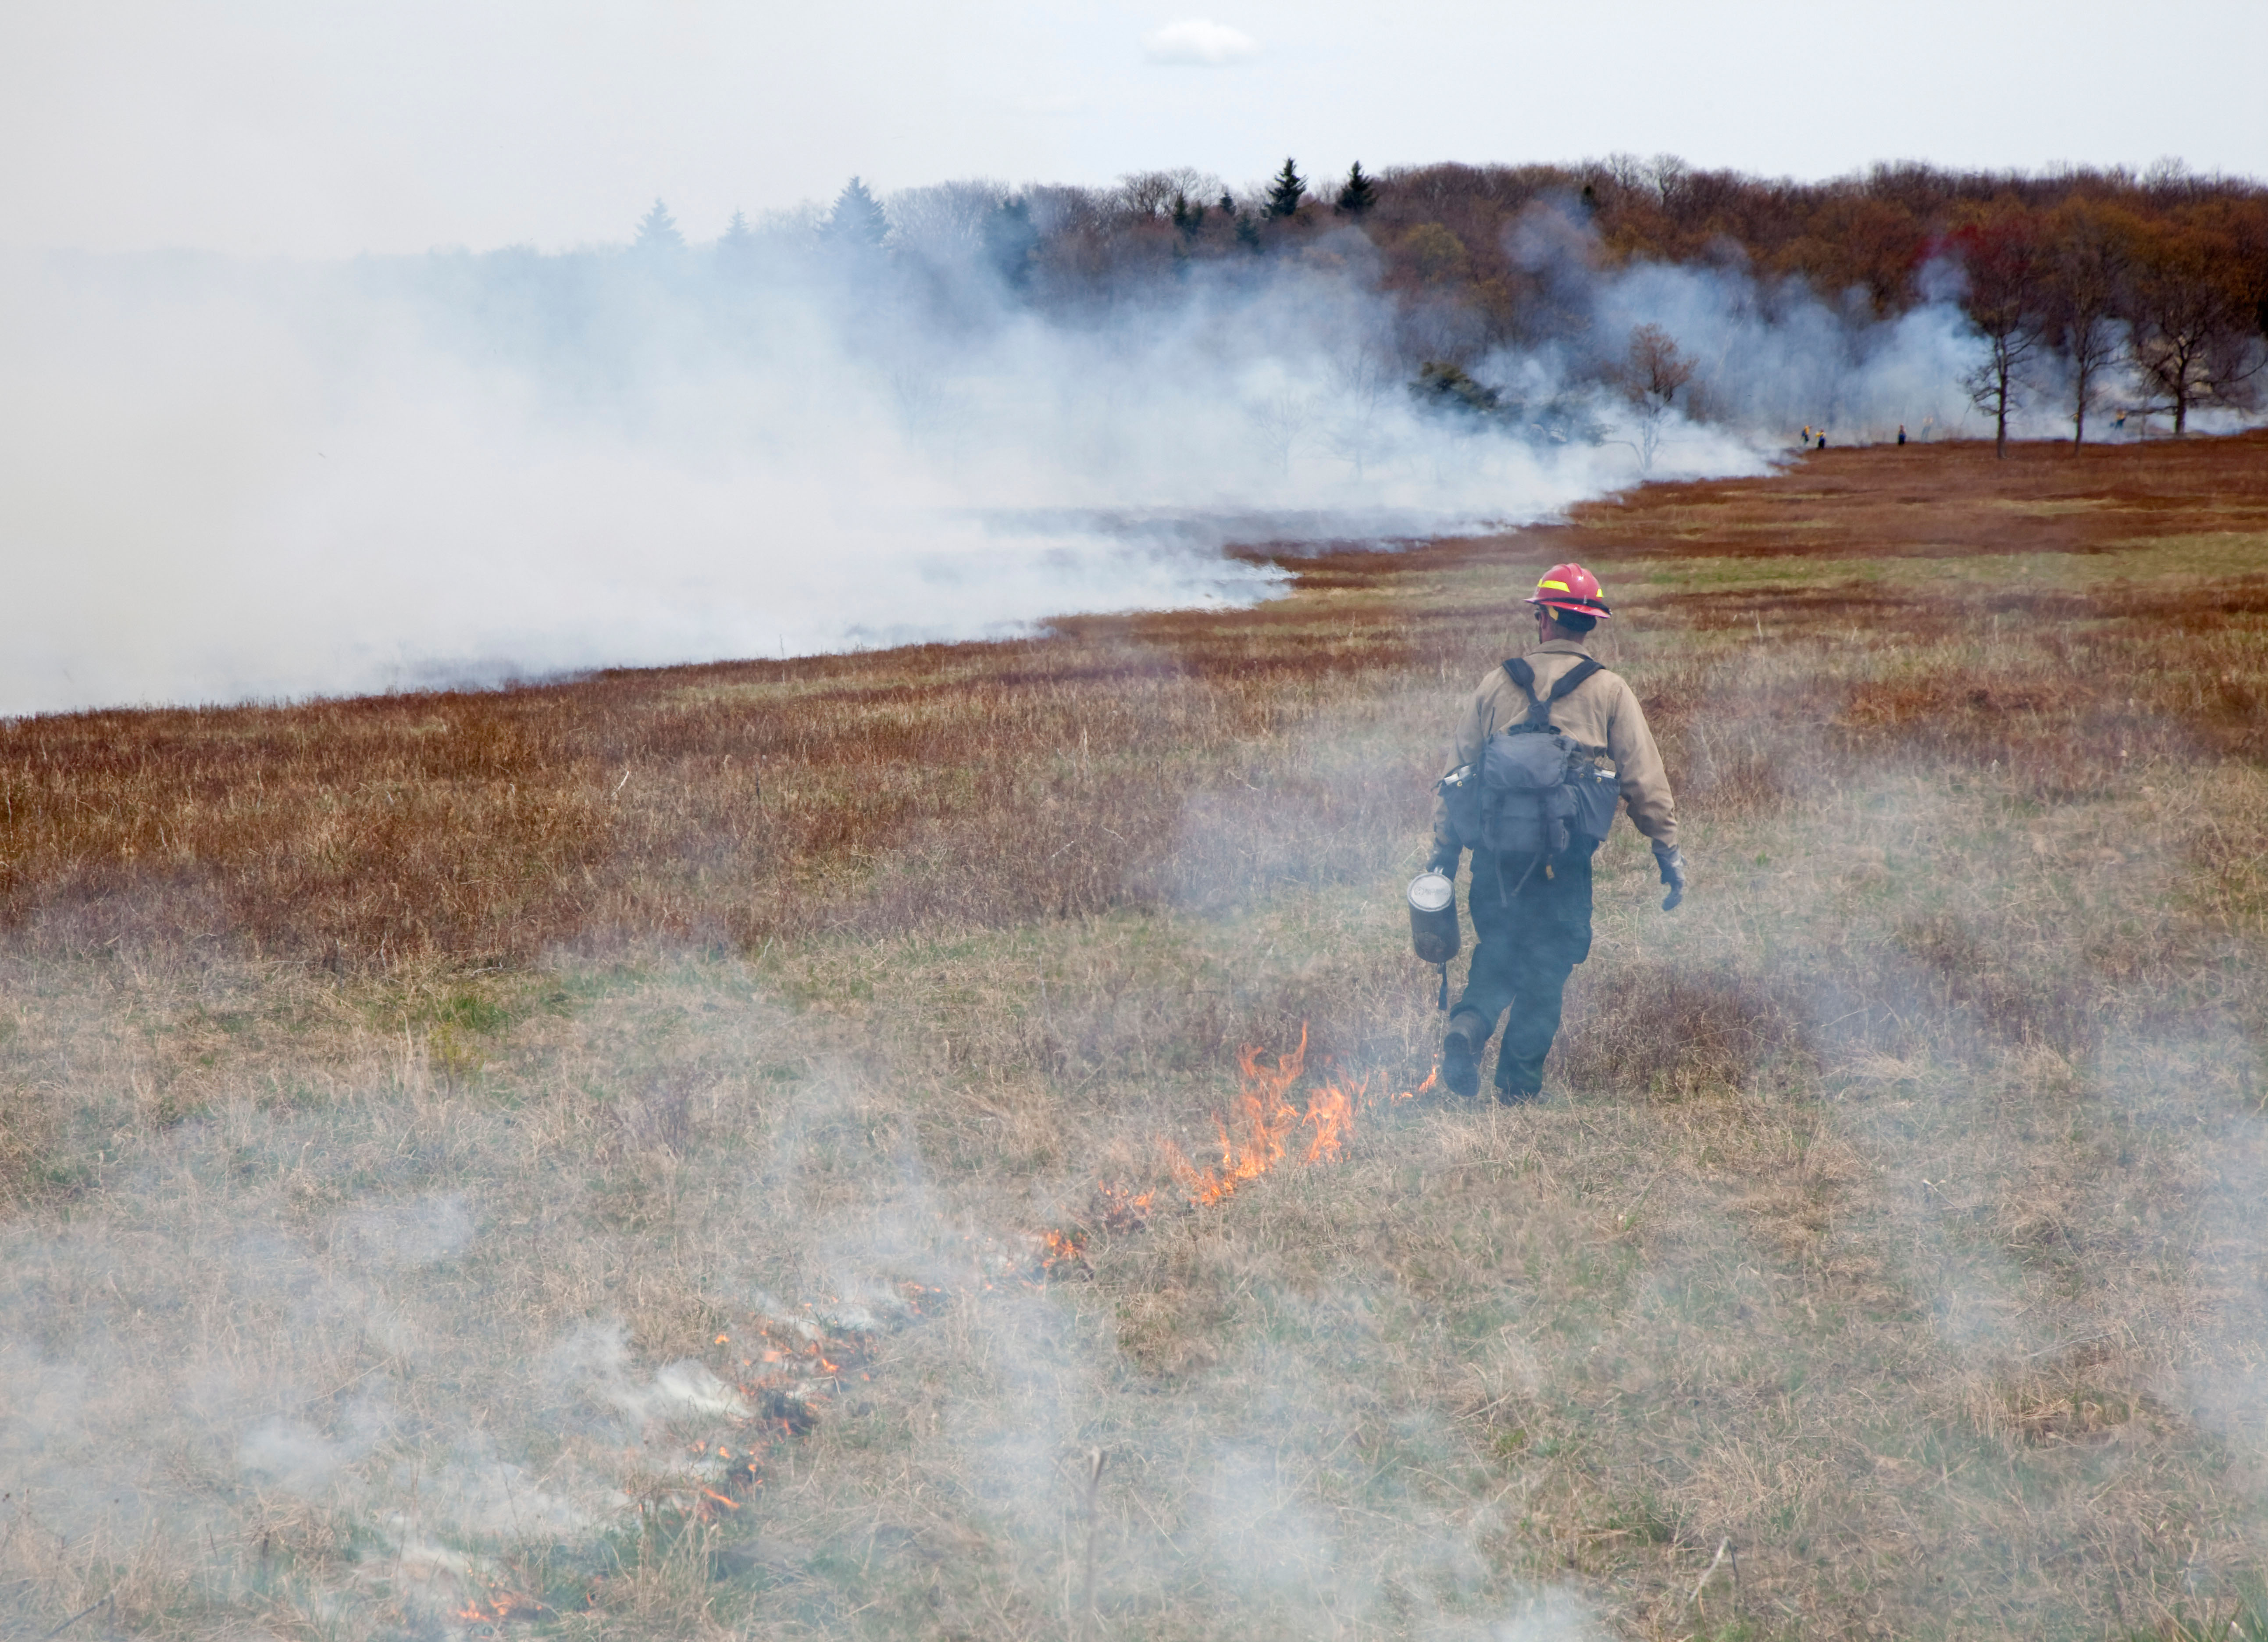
column 2078, row 283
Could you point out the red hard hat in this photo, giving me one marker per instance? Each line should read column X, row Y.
column 1570, row 587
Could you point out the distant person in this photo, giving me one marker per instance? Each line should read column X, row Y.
column 1806, row 433
column 1901, row 433
column 1823, row 441
column 1532, row 908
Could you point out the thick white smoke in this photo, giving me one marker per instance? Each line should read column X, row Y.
column 227, row 479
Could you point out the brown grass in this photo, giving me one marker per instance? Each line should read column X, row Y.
column 1053, row 777
column 390, row 1091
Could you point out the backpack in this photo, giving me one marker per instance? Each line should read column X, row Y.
column 1532, row 791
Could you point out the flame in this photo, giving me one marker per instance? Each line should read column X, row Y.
column 1259, row 1134
column 1330, row 1109
column 1264, row 1119
column 1119, row 1209
column 500, row 1605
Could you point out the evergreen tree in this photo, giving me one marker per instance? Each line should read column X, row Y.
column 857, row 220
column 1227, row 203
column 1285, row 189
column 1247, row 234
column 1187, row 217
column 736, row 251
column 1359, row 194
column 657, row 231
column 1009, row 240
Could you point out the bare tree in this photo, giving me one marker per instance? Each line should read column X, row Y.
column 1278, row 419
column 1151, row 193
column 1652, row 376
column 1625, row 172
column 1667, row 173
column 2190, row 334
column 2005, row 277
column 1365, row 380
column 2087, row 271
column 945, row 217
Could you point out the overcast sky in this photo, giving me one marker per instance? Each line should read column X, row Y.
column 309, row 126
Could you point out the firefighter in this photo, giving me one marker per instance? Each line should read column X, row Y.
column 1532, row 915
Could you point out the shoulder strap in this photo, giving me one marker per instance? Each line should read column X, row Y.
column 1520, row 673
column 1539, row 708
column 1573, row 677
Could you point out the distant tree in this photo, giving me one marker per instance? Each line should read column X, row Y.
column 1279, row 420
column 1227, row 203
column 2192, row 334
column 1653, row 375
column 1247, row 235
column 1859, row 241
column 1360, row 194
column 945, row 223
column 1364, row 377
column 1151, row 193
column 657, row 231
column 1187, row 217
column 1667, row 174
column 857, row 221
column 736, row 249
column 1435, row 251
column 1445, row 386
column 2086, row 279
column 1625, row 174
column 1148, row 193
column 2004, row 299
column 1009, row 240
column 1285, row 189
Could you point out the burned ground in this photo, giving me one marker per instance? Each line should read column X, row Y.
column 420, row 1117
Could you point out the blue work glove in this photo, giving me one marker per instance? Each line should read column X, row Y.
column 1673, row 873
column 1444, row 860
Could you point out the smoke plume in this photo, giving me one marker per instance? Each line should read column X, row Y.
column 228, row 480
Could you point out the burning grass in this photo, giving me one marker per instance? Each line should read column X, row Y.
column 688, row 1153
column 1265, row 1129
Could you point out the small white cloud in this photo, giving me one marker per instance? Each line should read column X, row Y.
column 1199, row 42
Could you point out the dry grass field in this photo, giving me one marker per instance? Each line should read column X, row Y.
column 662, row 1154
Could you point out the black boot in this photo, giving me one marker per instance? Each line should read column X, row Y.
column 1516, row 1083
column 1461, row 1055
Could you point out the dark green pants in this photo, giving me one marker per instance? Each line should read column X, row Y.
column 1530, row 928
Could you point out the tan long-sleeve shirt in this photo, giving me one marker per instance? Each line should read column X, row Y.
column 1601, row 714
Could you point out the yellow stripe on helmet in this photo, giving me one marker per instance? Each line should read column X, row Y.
column 1554, row 586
